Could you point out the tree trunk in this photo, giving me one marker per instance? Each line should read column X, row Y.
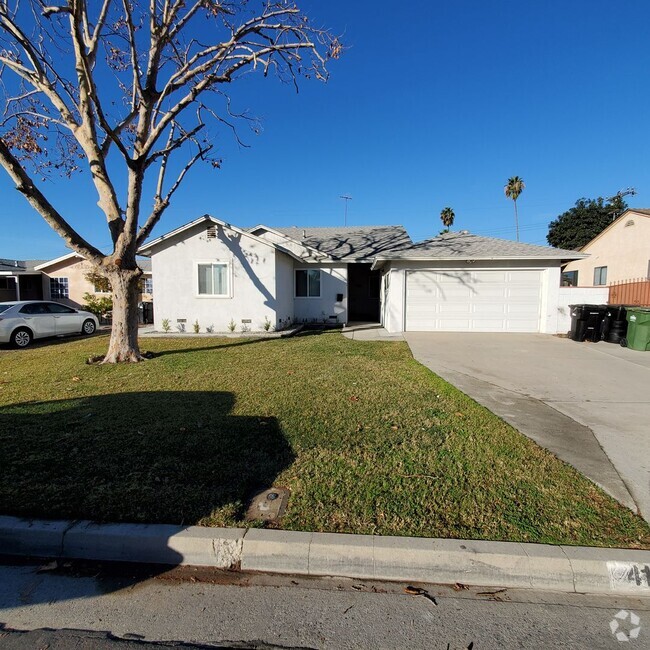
column 516, row 220
column 123, row 346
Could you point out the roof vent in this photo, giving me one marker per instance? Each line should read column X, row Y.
column 629, row 223
column 464, row 232
column 304, row 234
column 212, row 232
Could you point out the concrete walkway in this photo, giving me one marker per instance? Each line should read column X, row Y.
column 369, row 332
column 587, row 403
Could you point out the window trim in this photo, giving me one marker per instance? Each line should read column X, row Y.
column 229, row 280
column 320, row 284
column 66, row 284
column 598, row 272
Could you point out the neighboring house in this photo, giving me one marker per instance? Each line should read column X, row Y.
column 620, row 252
column 215, row 273
column 61, row 279
column 19, row 280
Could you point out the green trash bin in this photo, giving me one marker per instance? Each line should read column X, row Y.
column 638, row 328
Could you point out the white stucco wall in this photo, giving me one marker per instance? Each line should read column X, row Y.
column 393, row 306
column 624, row 249
column 252, row 269
column 334, row 280
column 284, row 289
column 393, row 310
column 577, row 296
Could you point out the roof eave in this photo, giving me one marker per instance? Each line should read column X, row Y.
column 57, row 260
column 145, row 250
column 462, row 258
column 319, row 255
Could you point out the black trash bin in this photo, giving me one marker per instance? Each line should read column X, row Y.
column 586, row 322
column 577, row 323
column 614, row 327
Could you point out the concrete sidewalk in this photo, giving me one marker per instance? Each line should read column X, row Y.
column 588, row 403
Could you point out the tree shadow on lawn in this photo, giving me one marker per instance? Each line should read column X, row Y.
column 158, row 457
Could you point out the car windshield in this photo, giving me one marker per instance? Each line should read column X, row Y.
column 4, row 306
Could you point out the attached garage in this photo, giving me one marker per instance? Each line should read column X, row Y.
column 477, row 301
column 459, row 282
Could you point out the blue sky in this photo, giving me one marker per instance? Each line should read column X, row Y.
column 433, row 104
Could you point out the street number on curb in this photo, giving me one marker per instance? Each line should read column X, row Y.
column 629, row 576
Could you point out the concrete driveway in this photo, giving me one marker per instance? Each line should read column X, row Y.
column 588, row 403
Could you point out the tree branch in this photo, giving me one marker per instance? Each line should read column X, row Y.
column 161, row 204
column 38, row 201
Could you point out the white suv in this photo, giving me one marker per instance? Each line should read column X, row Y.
column 23, row 321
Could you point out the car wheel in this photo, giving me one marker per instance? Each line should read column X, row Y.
column 88, row 327
column 21, row 338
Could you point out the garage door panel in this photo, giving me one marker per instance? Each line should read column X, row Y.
column 487, row 292
column 489, row 277
column 480, row 301
column 449, row 308
column 488, row 309
column 521, row 309
column 521, row 293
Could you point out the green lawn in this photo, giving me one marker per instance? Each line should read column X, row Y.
column 366, row 439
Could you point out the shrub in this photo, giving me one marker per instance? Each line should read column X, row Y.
column 98, row 305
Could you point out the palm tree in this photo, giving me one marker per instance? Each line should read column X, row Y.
column 447, row 217
column 514, row 187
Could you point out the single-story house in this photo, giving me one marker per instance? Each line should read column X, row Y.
column 217, row 274
column 620, row 252
column 62, row 279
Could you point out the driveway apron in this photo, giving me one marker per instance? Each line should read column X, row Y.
column 588, row 403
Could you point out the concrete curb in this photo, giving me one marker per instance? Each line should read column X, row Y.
column 405, row 559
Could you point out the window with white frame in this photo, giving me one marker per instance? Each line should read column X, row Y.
column 600, row 276
column 213, row 279
column 148, row 286
column 59, row 288
column 307, row 283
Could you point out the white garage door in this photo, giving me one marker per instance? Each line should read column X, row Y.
column 476, row 301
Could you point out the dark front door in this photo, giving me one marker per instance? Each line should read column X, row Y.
column 363, row 293
column 31, row 287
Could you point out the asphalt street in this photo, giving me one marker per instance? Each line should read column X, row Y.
column 84, row 605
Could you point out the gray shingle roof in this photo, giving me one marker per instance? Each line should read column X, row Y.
column 645, row 211
column 353, row 243
column 19, row 266
column 467, row 246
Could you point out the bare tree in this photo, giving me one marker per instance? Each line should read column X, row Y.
column 126, row 90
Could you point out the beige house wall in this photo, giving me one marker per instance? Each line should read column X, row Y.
column 624, row 248
column 75, row 270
